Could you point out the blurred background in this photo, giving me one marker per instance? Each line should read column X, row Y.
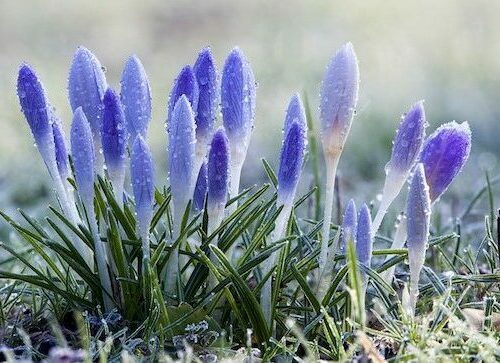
column 446, row 52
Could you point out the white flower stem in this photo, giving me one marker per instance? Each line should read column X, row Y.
column 215, row 216
column 392, row 187
column 332, row 162
column 397, row 242
column 101, row 257
column 172, row 267
column 266, row 292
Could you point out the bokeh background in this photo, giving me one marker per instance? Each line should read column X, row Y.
column 446, row 52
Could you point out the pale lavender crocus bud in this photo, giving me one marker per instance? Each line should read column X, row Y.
column 200, row 189
column 182, row 141
column 208, row 101
column 218, row 178
column 135, row 97
column 418, row 210
column 60, row 150
column 142, row 178
column 238, row 110
column 349, row 226
column 185, row 84
column 86, row 87
column 364, row 237
column 82, row 151
column 444, row 155
column 114, row 141
column 339, row 95
column 405, row 152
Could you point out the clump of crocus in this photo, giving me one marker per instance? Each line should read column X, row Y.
column 135, row 97
column 182, row 174
column 86, row 87
column 349, row 226
column 200, row 189
column 238, row 111
column 418, row 209
column 290, row 168
column 339, row 95
column 82, row 150
column 207, row 78
column 444, row 155
column 405, row 152
column 142, row 177
column 114, row 141
column 218, row 179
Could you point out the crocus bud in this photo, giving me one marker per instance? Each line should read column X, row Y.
column 200, row 189
column 182, row 140
column 418, row 210
column 82, row 151
column 114, row 139
column 405, row 152
column 339, row 95
column 86, row 86
column 349, row 226
column 291, row 161
column 184, row 84
column 60, row 150
column 35, row 107
column 142, row 178
column 208, row 101
column 364, row 238
column 238, row 110
column 295, row 113
column 135, row 96
column 444, row 155
column 218, row 174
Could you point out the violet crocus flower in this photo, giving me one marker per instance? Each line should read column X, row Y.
column 61, row 150
column 142, row 178
column 182, row 141
column 339, row 95
column 405, row 152
column 349, row 226
column 184, row 84
column 291, row 162
column 135, row 97
column 42, row 121
column 86, row 87
column 418, row 209
column 218, row 178
column 364, row 237
column 82, row 150
column 200, row 189
column 238, row 111
column 444, row 155
column 208, row 101
column 114, row 141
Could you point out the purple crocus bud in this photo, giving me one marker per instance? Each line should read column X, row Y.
column 349, row 225
column 142, row 178
column 418, row 209
column 209, row 96
column 182, row 140
column 82, row 151
column 444, row 155
column 60, row 150
column 364, row 239
column 339, row 95
column 218, row 171
column 295, row 113
column 238, row 96
column 405, row 152
column 135, row 96
column 200, row 190
column 114, row 139
column 291, row 161
column 35, row 107
column 184, row 84
column 86, row 86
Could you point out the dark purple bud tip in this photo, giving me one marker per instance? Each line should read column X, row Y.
column 209, row 95
column 444, row 155
column 184, row 84
column 218, row 168
column 200, row 190
column 113, row 131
